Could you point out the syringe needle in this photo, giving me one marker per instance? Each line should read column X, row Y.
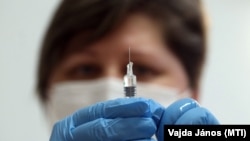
column 129, row 54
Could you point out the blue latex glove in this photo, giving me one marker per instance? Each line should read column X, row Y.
column 114, row 120
column 185, row 111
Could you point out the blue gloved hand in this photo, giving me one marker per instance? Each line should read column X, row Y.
column 120, row 119
column 185, row 111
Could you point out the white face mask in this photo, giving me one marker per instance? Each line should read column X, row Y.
column 67, row 97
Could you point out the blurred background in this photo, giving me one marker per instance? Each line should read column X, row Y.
column 225, row 84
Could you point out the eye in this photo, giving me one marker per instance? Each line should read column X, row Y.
column 85, row 71
column 145, row 73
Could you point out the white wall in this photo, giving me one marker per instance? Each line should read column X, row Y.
column 226, row 83
column 22, row 24
column 226, row 80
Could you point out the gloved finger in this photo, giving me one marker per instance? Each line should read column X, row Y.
column 122, row 107
column 197, row 116
column 115, row 129
column 174, row 112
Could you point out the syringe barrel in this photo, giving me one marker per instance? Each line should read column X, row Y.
column 129, row 81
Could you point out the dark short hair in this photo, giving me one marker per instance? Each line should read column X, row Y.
column 181, row 22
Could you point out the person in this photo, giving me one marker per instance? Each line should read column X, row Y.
column 83, row 60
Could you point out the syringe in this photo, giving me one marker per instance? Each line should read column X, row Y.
column 130, row 80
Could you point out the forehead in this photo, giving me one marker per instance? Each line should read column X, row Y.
column 135, row 30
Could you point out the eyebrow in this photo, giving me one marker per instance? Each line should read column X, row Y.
column 87, row 52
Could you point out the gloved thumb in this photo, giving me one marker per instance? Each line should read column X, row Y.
column 185, row 111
